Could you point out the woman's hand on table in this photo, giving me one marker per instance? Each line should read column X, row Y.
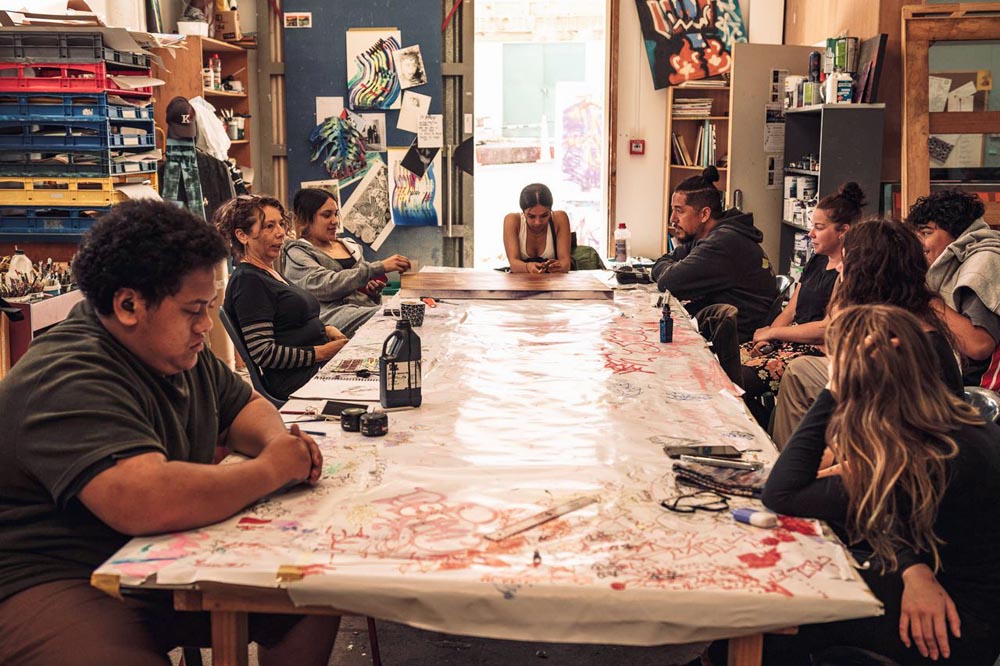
column 397, row 263
column 327, row 351
column 535, row 267
column 333, row 333
column 374, row 288
column 926, row 613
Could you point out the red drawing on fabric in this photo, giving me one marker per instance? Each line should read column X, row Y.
column 686, row 64
column 617, row 586
column 633, row 351
column 799, row 525
column 248, row 523
column 779, row 535
column 766, row 559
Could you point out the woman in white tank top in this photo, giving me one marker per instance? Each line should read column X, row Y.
column 537, row 239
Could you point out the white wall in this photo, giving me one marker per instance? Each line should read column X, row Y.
column 641, row 115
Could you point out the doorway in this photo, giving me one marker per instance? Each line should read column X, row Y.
column 540, row 116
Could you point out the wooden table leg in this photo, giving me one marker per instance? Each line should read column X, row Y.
column 230, row 639
column 746, row 650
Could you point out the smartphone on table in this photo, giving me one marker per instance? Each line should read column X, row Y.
column 711, row 451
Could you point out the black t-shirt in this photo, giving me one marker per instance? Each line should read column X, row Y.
column 76, row 402
column 971, row 553
column 815, row 290
column 253, row 296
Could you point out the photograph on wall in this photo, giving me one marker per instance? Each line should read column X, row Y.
column 415, row 200
column 366, row 214
column 372, row 128
column 414, row 105
column 418, row 159
column 688, row 40
column 371, row 75
column 410, row 67
column 330, row 185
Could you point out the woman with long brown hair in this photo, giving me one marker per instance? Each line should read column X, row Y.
column 914, row 483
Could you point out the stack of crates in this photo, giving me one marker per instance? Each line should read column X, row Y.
column 63, row 135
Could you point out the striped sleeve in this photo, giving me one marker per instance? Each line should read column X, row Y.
column 269, row 354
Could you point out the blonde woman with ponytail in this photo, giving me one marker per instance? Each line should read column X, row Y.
column 915, row 487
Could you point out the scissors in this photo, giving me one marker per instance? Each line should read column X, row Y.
column 430, row 302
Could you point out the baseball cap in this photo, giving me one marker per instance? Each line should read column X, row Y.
column 180, row 119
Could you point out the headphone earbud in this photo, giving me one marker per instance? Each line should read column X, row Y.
column 128, row 305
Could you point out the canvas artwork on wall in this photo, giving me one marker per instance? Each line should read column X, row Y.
column 371, row 75
column 416, row 200
column 687, row 40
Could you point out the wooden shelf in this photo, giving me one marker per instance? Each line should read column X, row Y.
column 214, row 45
column 222, row 93
column 701, row 118
column 802, row 172
column 238, row 142
column 697, row 168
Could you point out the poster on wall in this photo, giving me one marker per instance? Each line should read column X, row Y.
column 372, row 83
column 415, row 200
column 688, row 40
column 366, row 214
column 330, row 185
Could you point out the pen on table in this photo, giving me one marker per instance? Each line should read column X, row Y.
column 315, row 432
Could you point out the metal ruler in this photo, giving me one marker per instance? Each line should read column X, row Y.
column 539, row 518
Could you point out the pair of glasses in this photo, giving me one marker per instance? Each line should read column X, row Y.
column 704, row 500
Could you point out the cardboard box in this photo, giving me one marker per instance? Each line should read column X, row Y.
column 227, row 26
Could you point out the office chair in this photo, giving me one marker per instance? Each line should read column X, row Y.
column 985, row 400
column 256, row 376
column 784, row 284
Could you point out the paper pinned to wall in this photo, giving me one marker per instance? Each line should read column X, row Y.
column 430, row 131
column 366, row 213
column 328, row 107
column 410, row 67
column 414, row 105
column 371, row 75
column 331, row 185
column 937, row 93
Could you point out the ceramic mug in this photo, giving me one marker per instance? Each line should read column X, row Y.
column 412, row 311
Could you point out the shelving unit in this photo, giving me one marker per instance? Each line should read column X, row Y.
column 183, row 77
column 688, row 127
column 846, row 139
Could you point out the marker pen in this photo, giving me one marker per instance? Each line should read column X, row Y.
column 755, row 517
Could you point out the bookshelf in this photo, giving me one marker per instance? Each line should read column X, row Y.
column 183, row 77
column 710, row 109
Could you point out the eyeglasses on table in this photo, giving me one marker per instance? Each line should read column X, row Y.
column 703, row 500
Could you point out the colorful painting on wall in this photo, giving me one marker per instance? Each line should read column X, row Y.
column 371, row 75
column 416, row 200
column 687, row 40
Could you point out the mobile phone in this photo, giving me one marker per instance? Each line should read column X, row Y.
column 334, row 408
column 723, row 462
column 719, row 451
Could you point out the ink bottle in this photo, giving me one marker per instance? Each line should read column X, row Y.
column 666, row 325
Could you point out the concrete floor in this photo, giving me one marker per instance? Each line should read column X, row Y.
column 405, row 646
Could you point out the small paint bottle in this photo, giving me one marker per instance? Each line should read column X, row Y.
column 666, row 325
column 755, row 517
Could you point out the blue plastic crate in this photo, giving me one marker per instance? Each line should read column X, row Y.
column 60, row 222
column 33, row 107
column 82, row 164
column 67, row 136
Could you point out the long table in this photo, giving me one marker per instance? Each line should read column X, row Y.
column 527, row 405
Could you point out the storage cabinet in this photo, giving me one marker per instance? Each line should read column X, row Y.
column 183, row 75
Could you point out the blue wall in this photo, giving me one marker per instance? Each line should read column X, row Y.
column 316, row 66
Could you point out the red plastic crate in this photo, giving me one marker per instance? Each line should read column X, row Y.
column 63, row 77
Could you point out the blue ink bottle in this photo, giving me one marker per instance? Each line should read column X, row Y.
column 666, row 325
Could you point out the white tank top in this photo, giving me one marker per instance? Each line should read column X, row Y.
column 550, row 242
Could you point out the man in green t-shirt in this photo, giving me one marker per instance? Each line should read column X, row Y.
column 109, row 426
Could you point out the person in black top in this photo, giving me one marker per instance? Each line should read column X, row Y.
column 798, row 330
column 280, row 322
column 913, row 479
column 719, row 259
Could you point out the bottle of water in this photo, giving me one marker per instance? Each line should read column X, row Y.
column 21, row 266
column 623, row 244
column 399, row 368
column 215, row 63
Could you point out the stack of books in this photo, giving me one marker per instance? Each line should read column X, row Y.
column 693, row 107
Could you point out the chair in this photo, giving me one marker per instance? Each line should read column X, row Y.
column 784, row 293
column 985, row 400
column 256, row 376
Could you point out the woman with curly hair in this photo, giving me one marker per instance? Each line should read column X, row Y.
column 279, row 322
column 798, row 330
column 914, row 483
column 883, row 264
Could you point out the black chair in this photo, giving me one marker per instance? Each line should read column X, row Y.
column 784, row 293
column 256, row 376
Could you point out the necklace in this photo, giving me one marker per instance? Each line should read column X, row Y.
column 270, row 271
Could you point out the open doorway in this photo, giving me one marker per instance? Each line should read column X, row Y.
column 540, row 91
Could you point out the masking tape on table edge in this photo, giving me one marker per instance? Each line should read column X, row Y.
column 289, row 572
column 107, row 583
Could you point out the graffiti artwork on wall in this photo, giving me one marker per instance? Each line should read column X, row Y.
column 688, row 40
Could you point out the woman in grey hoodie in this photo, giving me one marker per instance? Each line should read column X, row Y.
column 331, row 268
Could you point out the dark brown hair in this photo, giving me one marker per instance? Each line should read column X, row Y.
column 242, row 213
column 699, row 192
column 845, row 206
